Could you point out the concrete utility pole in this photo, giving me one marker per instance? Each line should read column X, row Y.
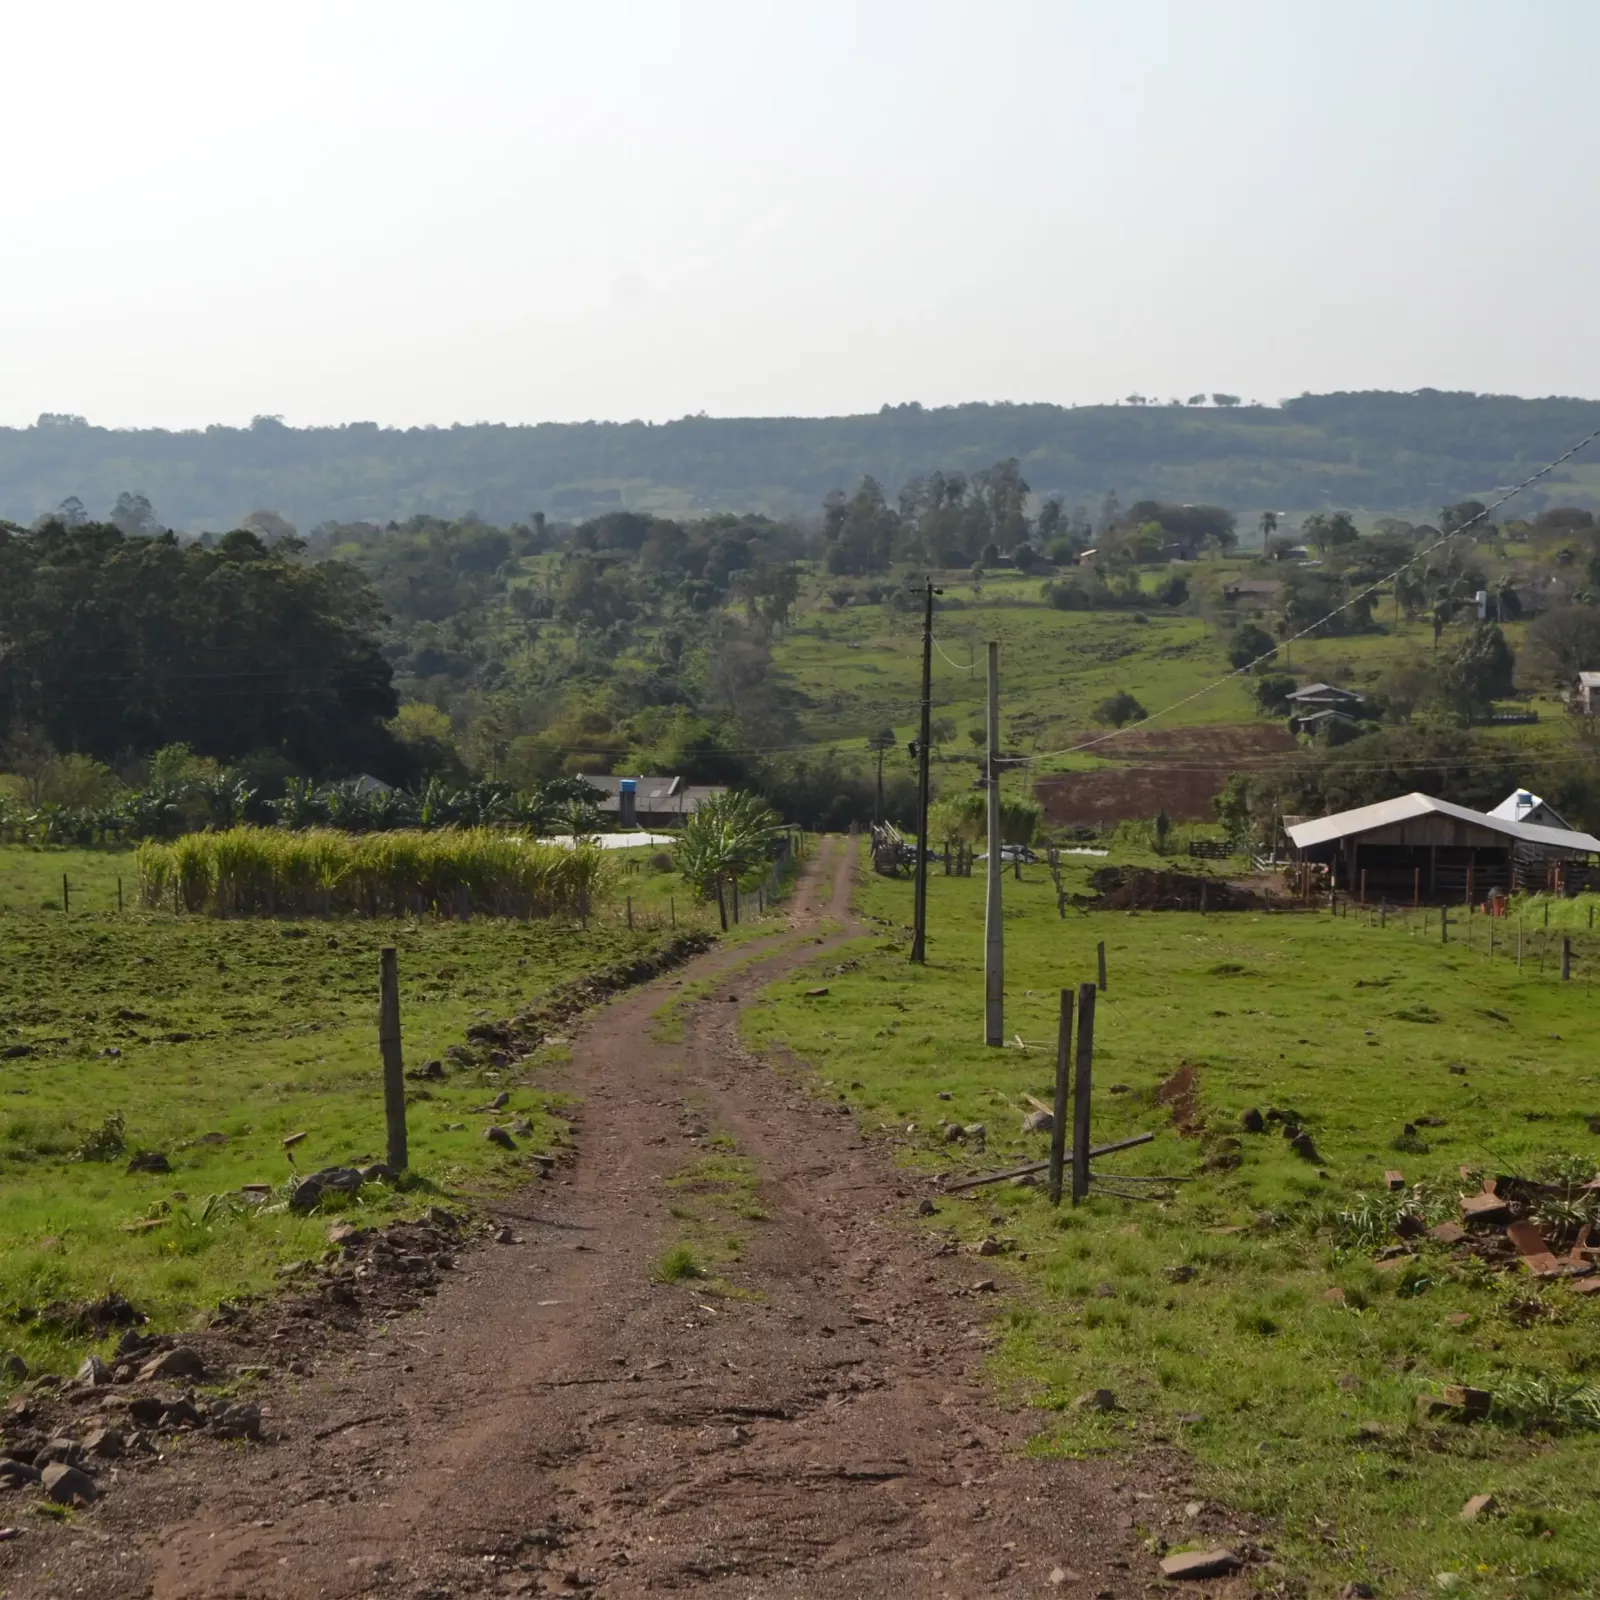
column 994, row 953
column 919, row 912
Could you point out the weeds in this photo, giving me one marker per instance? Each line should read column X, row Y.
column 677, row 1264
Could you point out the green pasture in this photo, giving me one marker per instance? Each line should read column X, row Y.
column 213, row 1041
column 1210, row 1310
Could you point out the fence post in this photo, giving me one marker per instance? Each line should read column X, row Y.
column 119, row 898
column 1100, row 958
column 629, row 899
column 1080, row 1093
column 1383, row 915
column 1363, row 886
column 672, row 906
column 66, row 896
column 1444, row 924
column 736, row 900
column 394, row 1082
column 1566, row 958
column 1416, row 887
column 1058, row 1127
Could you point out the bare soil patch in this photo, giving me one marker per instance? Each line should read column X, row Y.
column 1176, row 770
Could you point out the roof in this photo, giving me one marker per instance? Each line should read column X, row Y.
column 1323, row 691
column 1364, row 819
column 1589, row 680
column 1521, row 804
column 653, row 796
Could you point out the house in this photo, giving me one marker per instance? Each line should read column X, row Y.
column 1586, row 693
column 1323, row 722
column 1522, row 805
column 1252, row 591
column 648, row 802
column 1418, row 848
column 1325, row 697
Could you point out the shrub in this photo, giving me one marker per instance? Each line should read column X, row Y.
column 1119, row 709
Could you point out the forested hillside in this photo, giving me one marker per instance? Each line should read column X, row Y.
column 1381, row 452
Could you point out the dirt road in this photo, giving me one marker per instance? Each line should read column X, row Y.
column 555, row 1420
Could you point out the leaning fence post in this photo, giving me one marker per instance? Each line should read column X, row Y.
column 394, row 1082
column 1058, row 1125
column 1080, row 1093
column 1100, row 957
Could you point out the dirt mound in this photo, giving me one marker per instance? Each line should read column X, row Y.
column 1140, row 889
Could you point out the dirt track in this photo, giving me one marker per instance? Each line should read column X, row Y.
column 556, row 1422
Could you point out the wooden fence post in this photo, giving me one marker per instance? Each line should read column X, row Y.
column 1566, row 958
column 1444, row 924
column 394, row 1081
column 629, row 899
column 1363, row 886
column 66, row 896
column 119, row 897
column 1416, row 887
column 672, row 907
column 1080, row 1093
column 1058, row 1127
column 1100, row 957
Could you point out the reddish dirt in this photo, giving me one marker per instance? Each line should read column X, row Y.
column 553, row 1421
column 1176, row 771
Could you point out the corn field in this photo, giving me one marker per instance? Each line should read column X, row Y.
column 244, row 872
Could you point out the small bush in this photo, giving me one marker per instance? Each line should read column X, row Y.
column 106, row 1143
column 678, row 1264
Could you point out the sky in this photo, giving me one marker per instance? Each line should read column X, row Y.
column 519, row 211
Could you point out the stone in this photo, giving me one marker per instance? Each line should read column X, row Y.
column 1458, row 1319
column 66, row 1484
column 1095, row 1400
column 1356, row 1590
column 12, row 1366
column 1479, row 1505
column 504, row 1236
column 926, row 1208
column 1371, row 1430
column 522, row 1128
column 976, row 1130
column 182, row 1413
column 150, row 1161
column 1179, row 1272
column 60, row 1449
column 1485, row 1208
column 93, row 1373
column 985, row 1286
column 495, row 1134
column 1394, row 1180
column 179, row 1362
column 379, row 1172
column 17, row 1474
column 988, row 1247
column 346, row 1235
column 954, row 1132
column 1333, row 1296
column 1347, row 1381
column 1305, row 1147
column 1447, row 1232
column 1253, row 1122
column 329, row 1180
column 1472, row 1402
column 1038, row 1122
column 240, row 1420
column 108, row 1443
column 1195, row 1564
column 145, row 1410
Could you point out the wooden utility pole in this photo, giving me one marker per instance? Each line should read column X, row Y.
column 994, row 939
column 919, row 911
column 1080, row 1093
column 1100, row 958
column 1058, row 1127
column 394, row 1082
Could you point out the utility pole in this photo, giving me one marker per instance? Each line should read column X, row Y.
column 919, row 912
column 994, row 954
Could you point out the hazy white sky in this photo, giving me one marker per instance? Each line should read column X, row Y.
column 514, row 210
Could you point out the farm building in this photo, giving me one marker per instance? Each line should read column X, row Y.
column 1522, row 805
column 1586, row 693
column 1314, row 697
column 648, row 802
column 1429, row 849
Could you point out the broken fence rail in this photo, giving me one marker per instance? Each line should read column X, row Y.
column 1040, row 1166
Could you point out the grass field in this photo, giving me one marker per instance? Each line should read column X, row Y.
column 1209, row 1313
column 859, row 669
column 213, row 1041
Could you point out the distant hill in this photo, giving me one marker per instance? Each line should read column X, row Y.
column 1374, row 451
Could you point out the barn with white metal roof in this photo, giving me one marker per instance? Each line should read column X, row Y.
column 1419, row 847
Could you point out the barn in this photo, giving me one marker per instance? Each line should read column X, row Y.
column 1417, row 847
